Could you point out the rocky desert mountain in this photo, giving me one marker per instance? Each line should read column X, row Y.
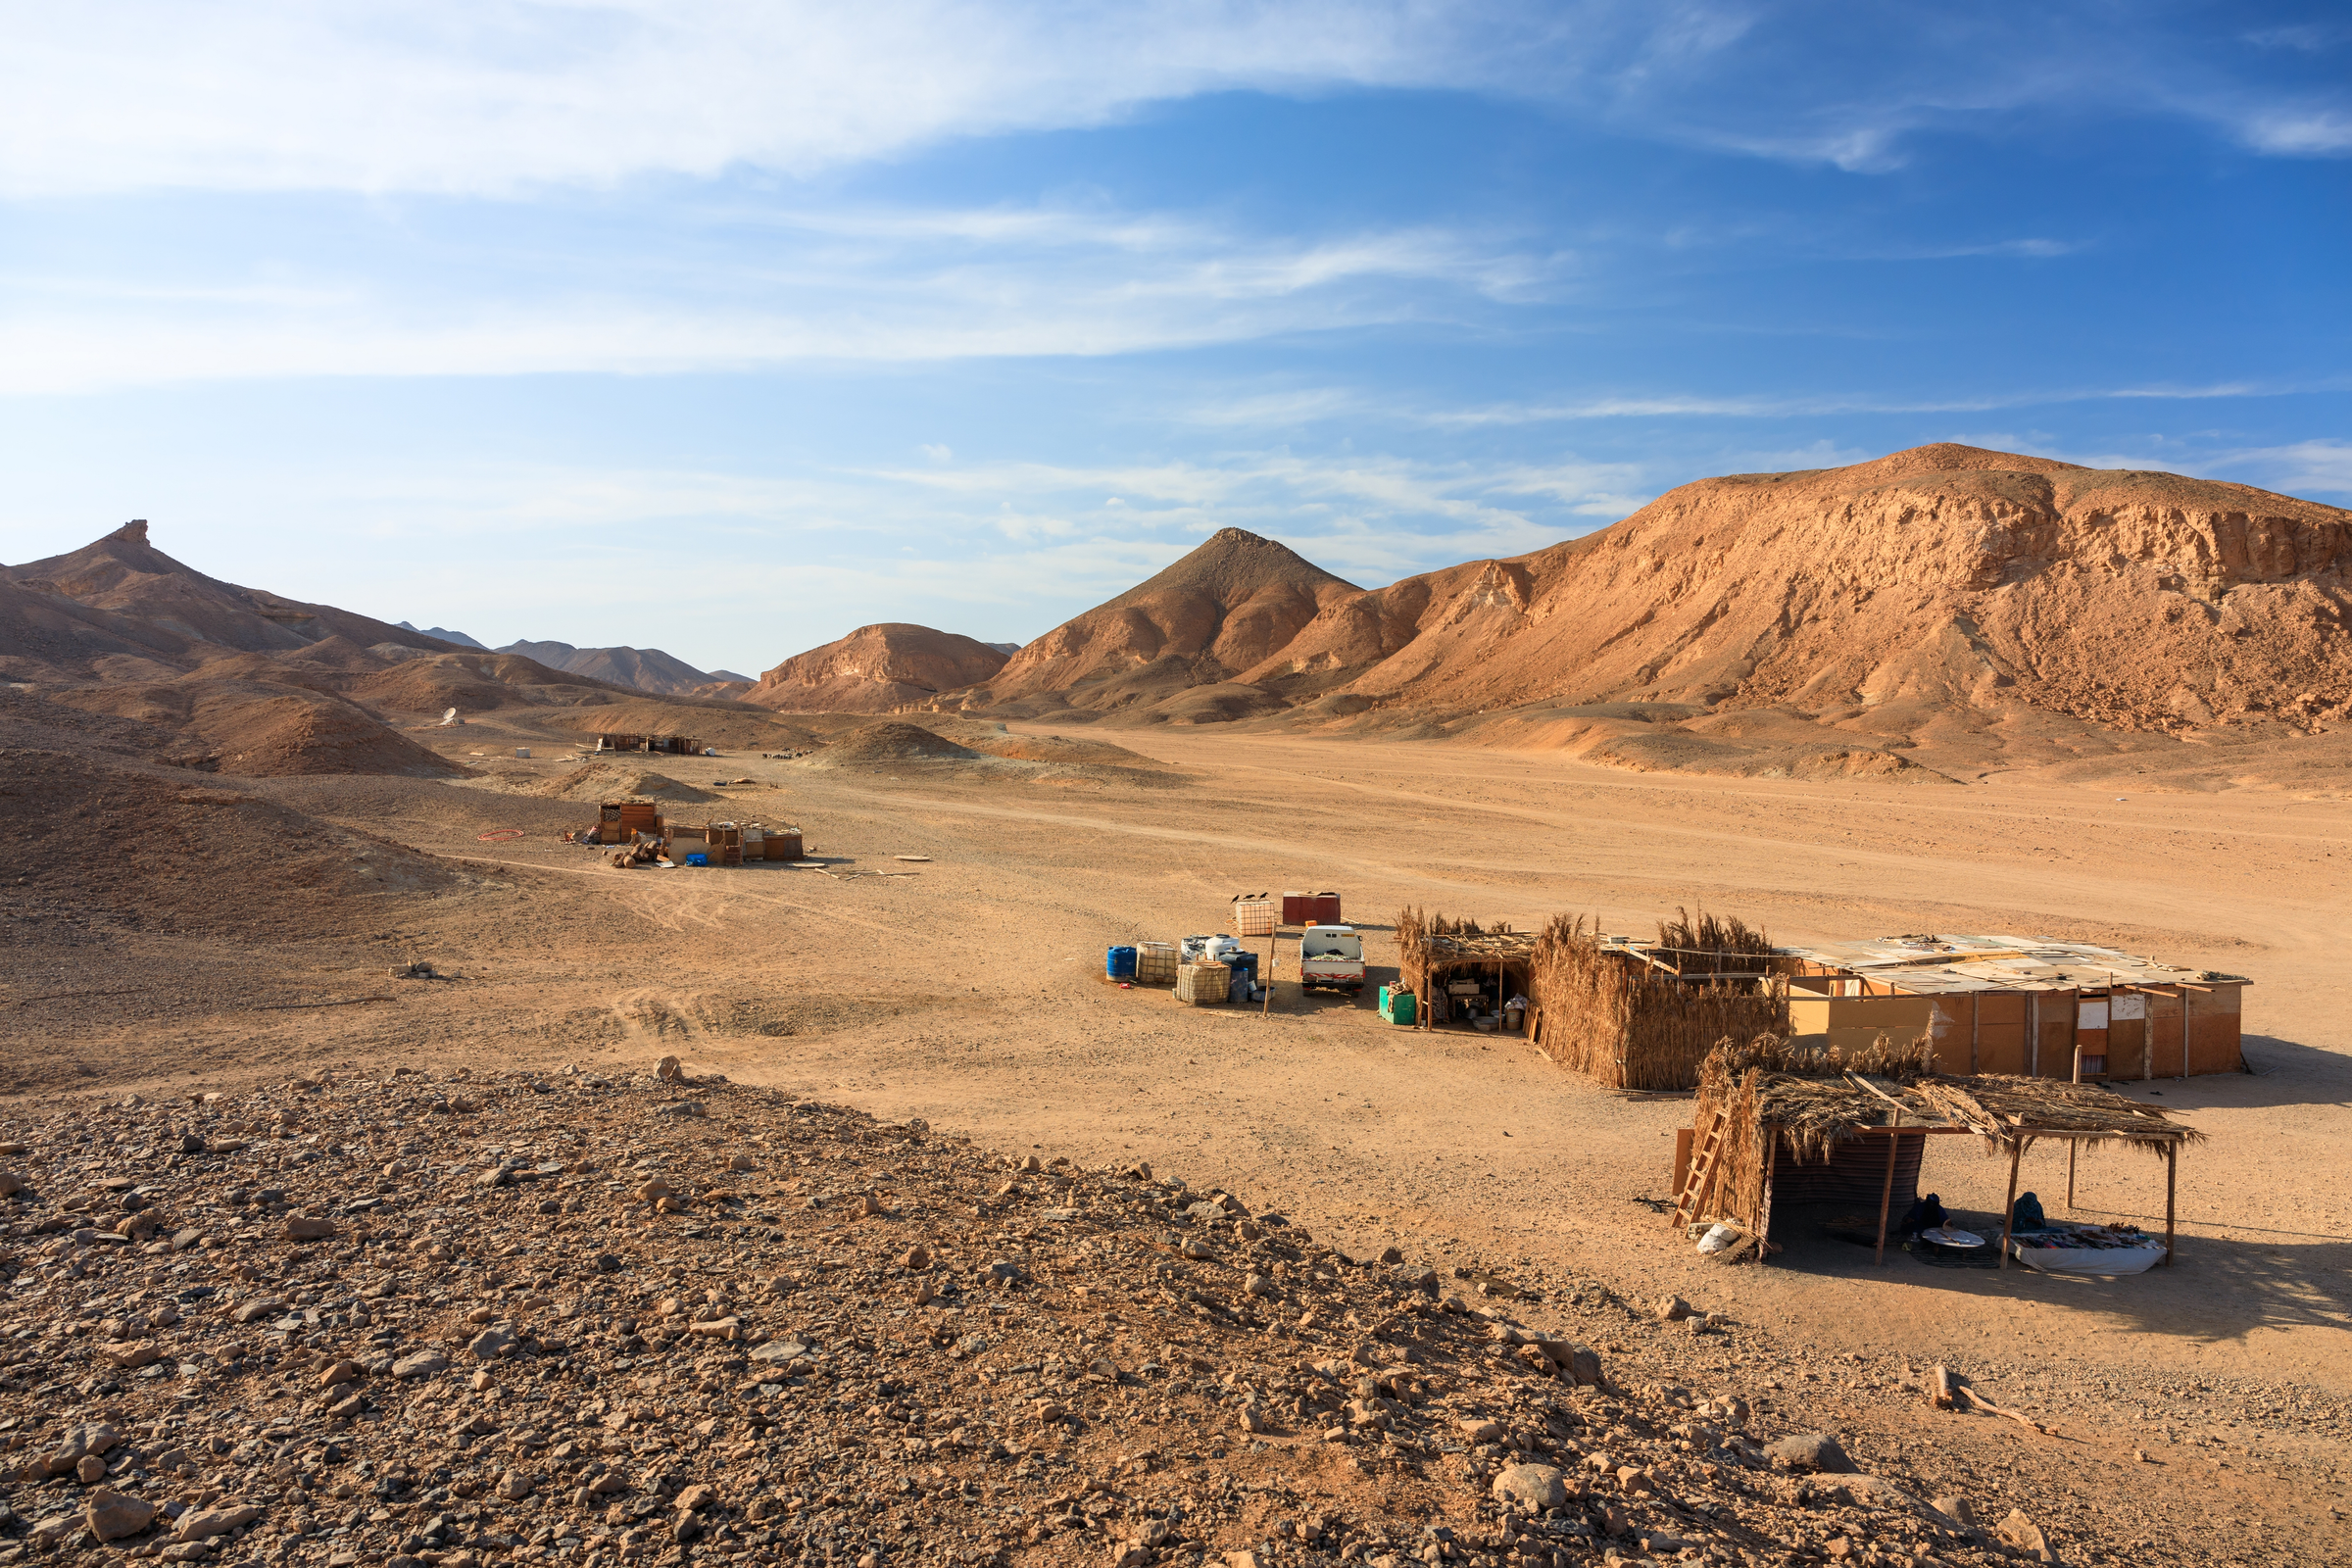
column 239, row 680
column 876, row 669
column 646, row 669
column 1947, row 598
column 121, row 599
column 1171, row 648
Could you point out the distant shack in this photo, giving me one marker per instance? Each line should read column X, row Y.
column 671, row 745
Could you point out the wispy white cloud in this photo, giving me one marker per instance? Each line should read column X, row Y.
column 998, row 285
column 2319, row 468
column 507, row 96
column 500, row 95
column 1767, row 407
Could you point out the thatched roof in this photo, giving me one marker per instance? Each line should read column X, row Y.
column 2004, row 1110
column 1819, row 1098
column 1486, row 947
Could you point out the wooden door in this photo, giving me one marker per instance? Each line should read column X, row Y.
column 2127, row 1034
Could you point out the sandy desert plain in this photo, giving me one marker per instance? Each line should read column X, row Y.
column 2197, row 1413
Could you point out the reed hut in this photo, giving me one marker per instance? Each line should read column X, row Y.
column 1631, row 1014
column 1644, row 1016
column 1780, row 1125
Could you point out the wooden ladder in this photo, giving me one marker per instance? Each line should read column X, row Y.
column 1699, row 1185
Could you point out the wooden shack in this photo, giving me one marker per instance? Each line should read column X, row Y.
column 2026, row 1007
column 1781, row 1125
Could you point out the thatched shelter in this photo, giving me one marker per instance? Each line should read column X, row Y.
column 1631, row 1014
column 1448, row 962
column 1642, row 1015
column 1780, row 1121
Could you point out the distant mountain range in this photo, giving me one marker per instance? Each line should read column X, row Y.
column 648, row 670
column 446, row 635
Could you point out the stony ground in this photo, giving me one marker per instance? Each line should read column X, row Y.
column 595, row 1319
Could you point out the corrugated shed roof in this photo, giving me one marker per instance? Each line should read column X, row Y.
column 1928, row 964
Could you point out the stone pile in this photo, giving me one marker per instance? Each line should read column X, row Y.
column 569, row 1318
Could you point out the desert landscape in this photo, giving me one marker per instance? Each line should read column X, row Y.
column 395, row 1176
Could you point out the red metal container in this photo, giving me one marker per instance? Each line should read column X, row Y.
column 1310, row 908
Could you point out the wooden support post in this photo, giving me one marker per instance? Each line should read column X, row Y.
column 1267, row 1010
column 2172, row 1173
column 1976, row 1028
column 2074, row 1145
column 2033, row 1034
column 1894, row 1142
column 2009, row 1210
column 2185, row 1032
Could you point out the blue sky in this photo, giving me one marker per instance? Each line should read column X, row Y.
column 729, row 327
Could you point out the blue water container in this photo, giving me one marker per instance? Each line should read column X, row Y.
column 1119, row 963
column 698, row 859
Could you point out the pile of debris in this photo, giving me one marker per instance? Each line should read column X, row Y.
column 395, row 1320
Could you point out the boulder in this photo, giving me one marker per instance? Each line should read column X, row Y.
column 1811, row 1451
column 1532, row 1486
column 111, row 1516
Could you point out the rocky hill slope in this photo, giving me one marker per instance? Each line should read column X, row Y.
column 876, row 669
column 381, row 1317
column 241, row 680
column 121, row 596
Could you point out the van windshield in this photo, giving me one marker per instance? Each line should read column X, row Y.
column 1331, row 944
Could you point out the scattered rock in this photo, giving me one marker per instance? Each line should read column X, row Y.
column 2024, row 1535
column 111, row 1516
column 203, row 1524
column 487, row 1345
column 421, row 1364
column 1673, row 1310
column 1811, row 1452
column 1532, row 1486
column 309, row 1228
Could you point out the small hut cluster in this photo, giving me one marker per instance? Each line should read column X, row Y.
column 1782, row 1124
column 1636, row 1013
